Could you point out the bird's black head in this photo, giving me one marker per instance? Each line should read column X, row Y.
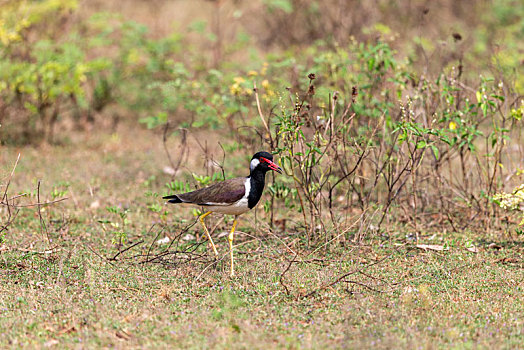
column 263, row 161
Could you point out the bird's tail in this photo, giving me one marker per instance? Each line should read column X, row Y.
column 173, row 199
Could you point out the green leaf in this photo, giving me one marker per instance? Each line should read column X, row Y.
column 198, row 26
column 422, row 144
column 284, row 5
column 435, row 151
column 479, row 96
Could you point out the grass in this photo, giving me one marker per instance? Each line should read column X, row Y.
column 72, row 296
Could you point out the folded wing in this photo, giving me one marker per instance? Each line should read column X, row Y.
column 222, row 193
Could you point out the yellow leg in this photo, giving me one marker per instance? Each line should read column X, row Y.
column 230, row 239
column 201, row 218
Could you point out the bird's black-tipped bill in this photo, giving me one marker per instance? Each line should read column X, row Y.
column 272, row 165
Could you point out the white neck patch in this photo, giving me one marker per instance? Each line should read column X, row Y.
column 254, row 163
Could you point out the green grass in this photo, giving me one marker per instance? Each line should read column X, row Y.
column 76, row 297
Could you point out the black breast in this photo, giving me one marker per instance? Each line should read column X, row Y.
column 257, row 182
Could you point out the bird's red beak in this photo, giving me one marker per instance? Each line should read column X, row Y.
column 272, row 165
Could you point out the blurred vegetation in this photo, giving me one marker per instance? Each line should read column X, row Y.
column 363, row 102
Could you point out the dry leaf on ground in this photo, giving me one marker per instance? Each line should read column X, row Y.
column 431, row 247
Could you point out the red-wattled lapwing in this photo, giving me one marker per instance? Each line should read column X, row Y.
column 232, row 197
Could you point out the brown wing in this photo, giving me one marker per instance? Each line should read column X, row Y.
column 222, row 193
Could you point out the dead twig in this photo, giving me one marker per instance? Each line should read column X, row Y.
column 100, row 256
column 213, row 263
column 365, row 286
column 255, row 89
column 48, row 251
column 43, row 226
column 343, row 277
column 32, row 204
column 4, row 197
column 182, row 148
column 281, row 279
column 152, row 258
column 5, row 200
column 125, row 250
column 154, row 240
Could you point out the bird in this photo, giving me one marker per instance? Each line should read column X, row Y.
column 232, row 197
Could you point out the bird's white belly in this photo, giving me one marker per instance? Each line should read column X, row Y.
column 237, row 208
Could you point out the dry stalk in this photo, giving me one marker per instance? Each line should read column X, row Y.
column 43, row 226
column 5, row 200
column 261, row 115
column 281, row 279
column 343, row 277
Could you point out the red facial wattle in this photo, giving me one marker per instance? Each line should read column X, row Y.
column 272, row 165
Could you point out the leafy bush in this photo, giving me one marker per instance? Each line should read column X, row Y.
column 511, row 201
column 377, row 150
column 71, row 75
